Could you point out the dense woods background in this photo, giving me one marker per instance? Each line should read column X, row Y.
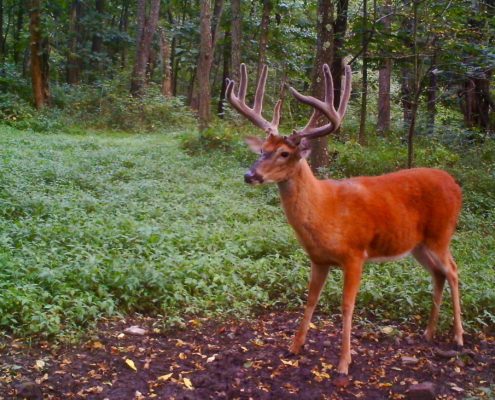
column 84, row 57
column 97, row 219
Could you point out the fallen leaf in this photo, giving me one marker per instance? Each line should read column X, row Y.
column 131, row 364
column 211, row 359
column 182, row 356
column 312, row 326
column 387, row 330
column 97, row 345
column 40, row 364
column 187, row 383
column 165, row 377
column 292, row 363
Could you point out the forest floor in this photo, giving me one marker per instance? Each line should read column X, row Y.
column 247, row 360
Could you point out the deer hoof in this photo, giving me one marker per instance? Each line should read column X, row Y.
column 295, row 348
column 343, row 367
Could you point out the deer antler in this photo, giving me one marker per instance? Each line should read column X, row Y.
column 324, row 108
column 238, row 101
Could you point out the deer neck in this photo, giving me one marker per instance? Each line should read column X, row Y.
column 300, row 193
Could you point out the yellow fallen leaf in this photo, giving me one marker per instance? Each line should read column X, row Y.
column 187, row 383
column 312, row 326
column 131, row 364
column 97, row 345
column 326, row 366
column 182, row 356
column 165, row 377
column 292, row 363
column 387, row 330
column 40, row 364
column 180, row 343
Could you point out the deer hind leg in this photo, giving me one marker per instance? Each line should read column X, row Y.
column 425, row 258
column 319, row 275
column 453, row 279
column 352, row 280
column 442, row 266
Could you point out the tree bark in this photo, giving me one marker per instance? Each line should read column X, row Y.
column 167, row 67
column 146, row 30
column 18, row 30
column 204, row 65
column 235, row 52
column 123, row 25
column 324, row 54
column 73, row 60
column 225, row 74
column 477, row 103
column 39, row 57
column 364, row 86
column 264, row 27
column 384, row 79
column 215, row 22
column 2, row 42
column 97, row 40
column 431, row 95
column 339, row 31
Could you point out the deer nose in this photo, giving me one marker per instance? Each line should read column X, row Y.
column 252, row 177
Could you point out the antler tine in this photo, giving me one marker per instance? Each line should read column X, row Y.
column 253, row 114
column 260, row 91
column 243, row 84
column 276, row 113
column 344, row 99
column 325, row 108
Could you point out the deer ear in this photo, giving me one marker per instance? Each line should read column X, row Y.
column 304, row 148
column 254, row 143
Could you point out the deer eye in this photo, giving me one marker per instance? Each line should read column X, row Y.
column 284, row 154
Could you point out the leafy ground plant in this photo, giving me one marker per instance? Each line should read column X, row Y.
column 98, row 224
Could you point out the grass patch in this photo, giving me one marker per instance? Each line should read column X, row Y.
column 93, row 225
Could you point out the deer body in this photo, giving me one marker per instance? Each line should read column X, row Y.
column 350, row 222
column 382, row 217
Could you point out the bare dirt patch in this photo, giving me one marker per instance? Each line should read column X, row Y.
column 243, row 360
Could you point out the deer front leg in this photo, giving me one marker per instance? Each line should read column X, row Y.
column 318, row 277
column 352, row 280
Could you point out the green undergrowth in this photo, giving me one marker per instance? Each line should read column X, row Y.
column 98, row 224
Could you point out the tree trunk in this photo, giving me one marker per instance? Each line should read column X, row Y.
column 431, row 95
column 337, row 66
column 384, row 79
column 215, row 22
column 18, row 30
column 324, row 54
column 146, row 30
column 225, row 74
column 235, row 52
column 123, row 25
column 477, row 103
column 2, row 42
column 265, row 23
column 39, row 57
column 204, row 65
column 364, row 87
column 167, row 67
column 73, row 61
column 97, row 41
column 407, row 93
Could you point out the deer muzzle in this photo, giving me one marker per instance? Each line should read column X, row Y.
column 252, row 177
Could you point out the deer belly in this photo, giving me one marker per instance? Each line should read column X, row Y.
column 385, row 258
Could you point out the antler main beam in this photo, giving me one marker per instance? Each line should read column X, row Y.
column 238, row 101
column 325, row 108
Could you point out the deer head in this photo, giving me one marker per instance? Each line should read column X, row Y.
column 280, row 155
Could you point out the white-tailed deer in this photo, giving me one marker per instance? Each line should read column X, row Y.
column 350, row 222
